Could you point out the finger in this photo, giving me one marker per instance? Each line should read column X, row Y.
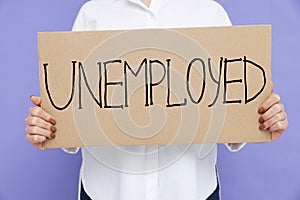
column 272, row 120
column 35, row 130
column 272, row 100
column 276, row 135
column 274, row 110
column 36, row 100
column 39, row 112
column 39, row 145
column 35, row 139
column 279, row 126
column 32, row 140
column 36, row 121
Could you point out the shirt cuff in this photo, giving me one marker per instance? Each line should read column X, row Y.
column 71, row 150
column 235, row 147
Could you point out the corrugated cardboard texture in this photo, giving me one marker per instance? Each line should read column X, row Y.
column 193, row 100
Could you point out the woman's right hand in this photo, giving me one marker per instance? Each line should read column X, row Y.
column 40, row 125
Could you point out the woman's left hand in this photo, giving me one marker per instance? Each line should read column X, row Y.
column 273, row 117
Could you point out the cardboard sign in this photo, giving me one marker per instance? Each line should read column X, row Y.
column 156, row 86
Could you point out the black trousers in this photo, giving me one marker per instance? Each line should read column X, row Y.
column 83, row 194
column 214, row 196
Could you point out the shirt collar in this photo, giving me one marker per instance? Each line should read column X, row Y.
column 154, row 5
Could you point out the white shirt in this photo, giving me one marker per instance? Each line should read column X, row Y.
column 110, row 174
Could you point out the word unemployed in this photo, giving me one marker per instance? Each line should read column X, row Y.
column 147, row 66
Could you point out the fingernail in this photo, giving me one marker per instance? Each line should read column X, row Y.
column 261, row 110
column 52, row 135
column 261, row 120
column 52, row 121
column 262, row 127
column 31, row 96
column 53, row 129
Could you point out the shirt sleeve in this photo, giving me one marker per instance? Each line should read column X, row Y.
column 79, row 23
column 223, row 18
column 71, row 150
column 235, row 147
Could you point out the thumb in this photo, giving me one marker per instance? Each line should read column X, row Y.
column 36, row 100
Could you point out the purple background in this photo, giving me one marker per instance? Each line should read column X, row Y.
column 259, row 171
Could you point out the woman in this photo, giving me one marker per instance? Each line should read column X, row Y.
column 189, row 177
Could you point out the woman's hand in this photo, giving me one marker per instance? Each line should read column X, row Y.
column 40, row 125
column 273, row 117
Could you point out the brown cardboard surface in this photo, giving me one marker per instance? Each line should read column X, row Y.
column 157, row 86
